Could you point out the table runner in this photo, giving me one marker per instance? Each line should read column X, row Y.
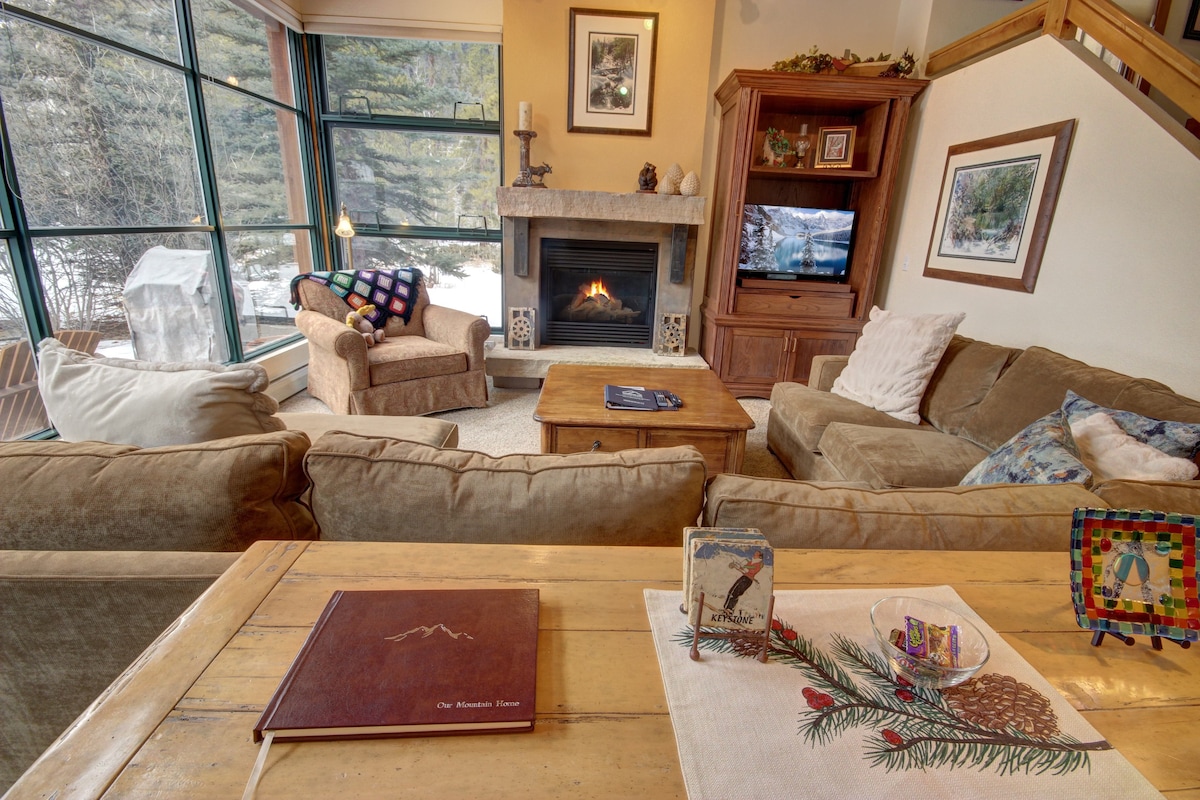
column 746, row 729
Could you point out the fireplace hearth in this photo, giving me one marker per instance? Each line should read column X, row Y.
column 597, row 293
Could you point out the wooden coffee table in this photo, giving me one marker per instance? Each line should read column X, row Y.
column 177, row 724
column 574, row 419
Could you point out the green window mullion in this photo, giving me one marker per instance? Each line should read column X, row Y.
column 208, row 180
column 33, row 306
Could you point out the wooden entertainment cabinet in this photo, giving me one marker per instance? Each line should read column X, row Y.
column 756, row 332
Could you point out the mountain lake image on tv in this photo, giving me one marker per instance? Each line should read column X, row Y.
column 787, row 242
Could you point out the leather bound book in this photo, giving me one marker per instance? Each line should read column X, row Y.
column 411, row 663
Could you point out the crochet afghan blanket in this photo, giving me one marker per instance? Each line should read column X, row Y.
column 393, row 292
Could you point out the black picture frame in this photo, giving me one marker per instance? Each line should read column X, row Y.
column 1191, row 27
column 610, row 88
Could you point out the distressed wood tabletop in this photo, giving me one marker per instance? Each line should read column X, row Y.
column 178, row 722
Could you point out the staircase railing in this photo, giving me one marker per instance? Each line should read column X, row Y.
column 1143, row 50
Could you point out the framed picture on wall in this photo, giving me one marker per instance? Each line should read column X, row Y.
column 996, row 204
column 1191, row 27
column 610, row 86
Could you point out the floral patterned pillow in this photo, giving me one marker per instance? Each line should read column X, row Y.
column 1041, row 453
column 1179, row 439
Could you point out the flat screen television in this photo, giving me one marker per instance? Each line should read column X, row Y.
column 793, row 243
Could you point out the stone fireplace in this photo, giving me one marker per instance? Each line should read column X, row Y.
column 597, row 293
column 556, row 239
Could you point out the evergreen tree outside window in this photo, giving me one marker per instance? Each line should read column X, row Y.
column 412, row 139
column 113, row 143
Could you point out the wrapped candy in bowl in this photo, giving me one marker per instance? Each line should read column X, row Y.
column 926, row 643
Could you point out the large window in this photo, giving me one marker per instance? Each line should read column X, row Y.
column 413, row 147
column 151, row 163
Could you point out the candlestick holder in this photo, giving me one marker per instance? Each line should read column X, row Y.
column 529, row 177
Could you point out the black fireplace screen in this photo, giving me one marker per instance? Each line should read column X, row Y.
column 597, row 292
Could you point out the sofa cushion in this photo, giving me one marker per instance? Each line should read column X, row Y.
column 1179, row 439
column 884, row 458
column 1031, row 388
column 427, row 430
column 894, row 360
column 1110, row 452
column 1181, row 498
column 375, row 489
column 808, row 411
column 150, row 404
column 803, row 514
column 407, row 358
column 219, row 495
column 963, row 377
column 1153, row 399
column 1041, row 453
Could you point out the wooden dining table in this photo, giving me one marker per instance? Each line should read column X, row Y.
column 178, row 723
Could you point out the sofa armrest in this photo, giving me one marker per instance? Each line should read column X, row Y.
column 825, row 370
column 460, row 330
column 339, row 340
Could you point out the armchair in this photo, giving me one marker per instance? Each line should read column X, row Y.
column 433, row 363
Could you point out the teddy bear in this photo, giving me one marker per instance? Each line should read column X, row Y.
column 357, row 320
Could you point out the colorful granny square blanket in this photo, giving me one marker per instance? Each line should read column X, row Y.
column 392, row 291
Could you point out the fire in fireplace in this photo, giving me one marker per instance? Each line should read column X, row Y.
column 598, row 292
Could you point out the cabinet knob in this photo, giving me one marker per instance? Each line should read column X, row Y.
column 595, row 446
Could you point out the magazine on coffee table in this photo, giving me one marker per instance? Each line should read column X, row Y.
column 638, row 398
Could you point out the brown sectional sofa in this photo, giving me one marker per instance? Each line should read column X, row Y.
column 865, row 479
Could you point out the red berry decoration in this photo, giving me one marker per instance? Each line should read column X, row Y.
column 893, row 738
column 809, row 693
column 789, row 634
column 776, row 625
column 903, row 681
column 905, row 695
column 817, row 700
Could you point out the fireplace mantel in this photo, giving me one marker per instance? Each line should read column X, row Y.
column 574, row 204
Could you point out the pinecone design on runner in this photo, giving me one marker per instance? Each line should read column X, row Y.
column 996, row 701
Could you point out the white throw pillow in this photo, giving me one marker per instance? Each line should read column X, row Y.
column 149, row 404
column 894, row 359
column 1109, row 452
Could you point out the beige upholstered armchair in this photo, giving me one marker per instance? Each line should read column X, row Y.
column 432, row 363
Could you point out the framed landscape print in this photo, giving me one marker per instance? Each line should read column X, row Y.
column 611, row 71
column 996, row 204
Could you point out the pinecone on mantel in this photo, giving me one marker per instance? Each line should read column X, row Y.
column 995, row 702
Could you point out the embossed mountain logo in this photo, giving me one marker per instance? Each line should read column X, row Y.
column 426, row 631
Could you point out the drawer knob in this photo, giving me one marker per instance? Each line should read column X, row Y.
column 595, row 446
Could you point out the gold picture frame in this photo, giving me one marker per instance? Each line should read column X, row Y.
column 835, row 147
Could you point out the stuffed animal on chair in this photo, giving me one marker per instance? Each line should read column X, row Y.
column 357, row 320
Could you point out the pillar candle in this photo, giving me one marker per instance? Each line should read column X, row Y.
column 525, row 116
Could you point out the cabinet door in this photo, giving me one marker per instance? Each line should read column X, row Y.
column 805, row 344
column 754, row 355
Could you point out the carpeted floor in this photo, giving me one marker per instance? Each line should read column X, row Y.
column 507, row 426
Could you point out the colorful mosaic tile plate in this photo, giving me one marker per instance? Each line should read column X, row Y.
column 1134, row 572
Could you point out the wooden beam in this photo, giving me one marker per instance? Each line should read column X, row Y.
column 1023, row 22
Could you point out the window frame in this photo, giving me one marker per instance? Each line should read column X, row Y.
column 329, row 121
column 14, row 227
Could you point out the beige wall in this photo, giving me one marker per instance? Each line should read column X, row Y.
column 1119, row 281
column 535, row 70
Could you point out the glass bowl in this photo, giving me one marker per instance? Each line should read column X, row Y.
column 889, row 614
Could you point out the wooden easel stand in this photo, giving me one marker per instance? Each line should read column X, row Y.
column 764, row 635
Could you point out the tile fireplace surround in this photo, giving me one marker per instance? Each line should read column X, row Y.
column 532, row 214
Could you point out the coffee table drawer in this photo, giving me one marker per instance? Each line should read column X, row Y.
column 713, row 446
column 578, row 440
